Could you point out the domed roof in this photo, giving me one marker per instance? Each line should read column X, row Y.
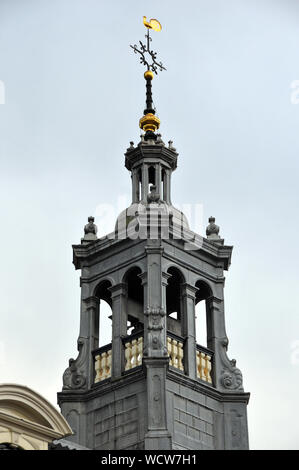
column 150, row 214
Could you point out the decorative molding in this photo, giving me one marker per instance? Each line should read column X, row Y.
column 152, row 249
column 143, row 276
column 188, row 290
column 91, row 302
column 136, row 376
column 165, row 277
column 118, row 289
column 234, row 396
column 214, row 302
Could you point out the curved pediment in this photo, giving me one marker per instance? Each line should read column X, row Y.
column 27, row 416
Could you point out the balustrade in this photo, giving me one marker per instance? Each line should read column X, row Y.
column 102, row 363
column 204, row 364
column 175, row 349
column 133, row 350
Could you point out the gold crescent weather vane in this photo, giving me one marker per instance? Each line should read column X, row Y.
column 152, row 24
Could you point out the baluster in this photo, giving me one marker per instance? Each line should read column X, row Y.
column 140, row 350
column 108, row 364
column 169, row 350
column 172, row 362
column 180, row 356
column 175, row 352
column 103, row 365
column 208, row 368
column 134, row 353
column 202, row 366
column 128, row 356
column 198, row 364
column 97, row 366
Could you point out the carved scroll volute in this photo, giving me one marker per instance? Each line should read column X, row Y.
column 80, row 370
column 231, row 377
column 226, row 375
column 74, row 377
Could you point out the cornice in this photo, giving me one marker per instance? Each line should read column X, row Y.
column 220, row 253
column 87, row 252
column 208, row 390
column 101, row 388
column 146, row 151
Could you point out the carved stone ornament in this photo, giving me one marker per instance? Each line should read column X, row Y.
column 155, row 330
column 91, row 226
column 153, row 196
column 155, row 317
column 212, row 230
column 72, row 378
column 231, row 377
column 90, row 231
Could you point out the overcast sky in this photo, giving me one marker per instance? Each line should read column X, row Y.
column 74, row 92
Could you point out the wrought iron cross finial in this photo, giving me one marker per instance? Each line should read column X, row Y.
column 147, row 56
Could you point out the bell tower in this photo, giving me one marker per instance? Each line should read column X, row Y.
column 153, row 386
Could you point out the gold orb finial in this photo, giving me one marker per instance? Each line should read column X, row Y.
column 148, row 75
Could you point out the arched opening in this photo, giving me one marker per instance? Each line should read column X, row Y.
column 201, row 313
column 135, row 300
column 104, row 314
column 151, row 178
column 163, row 193
column 151, row 175
column 139, row 179
column 174, row 301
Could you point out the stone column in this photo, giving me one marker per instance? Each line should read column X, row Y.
column 119, row 327
column 144, row 182
column 216, row 334
column 135, row 186
column 168, row 186
column 158, row 179
column 155, row 353
column 89, row 335
column 189, row 329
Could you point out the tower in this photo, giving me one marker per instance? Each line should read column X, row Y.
column 153, row 387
